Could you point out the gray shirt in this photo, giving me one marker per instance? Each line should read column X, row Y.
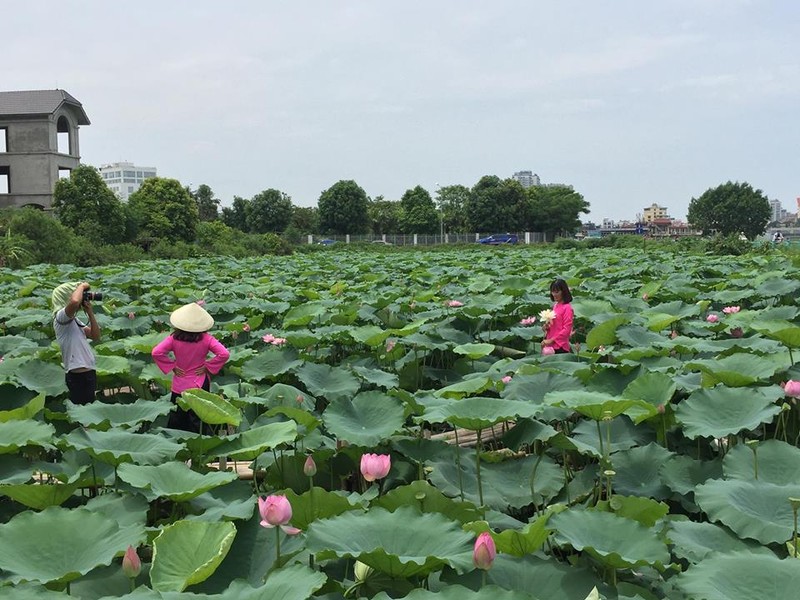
column 75, row 350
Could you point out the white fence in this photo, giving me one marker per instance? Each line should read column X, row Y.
column 421, row 239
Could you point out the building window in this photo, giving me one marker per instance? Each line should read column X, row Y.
column 3, row 139
column 129, row 173
column 130, row 189
column 64, row 173
column 5, row 180
column 64, row 135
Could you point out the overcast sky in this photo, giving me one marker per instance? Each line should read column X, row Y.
column 630, row 101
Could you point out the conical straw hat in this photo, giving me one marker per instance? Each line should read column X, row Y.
column 191, row 317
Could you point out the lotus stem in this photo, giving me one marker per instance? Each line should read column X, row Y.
column 313, row 514
column 795, row 503
column 533, row 482
column 278, row 547
column 478, row 447
column 483, row 578
column 458, row 465
column 600, row 437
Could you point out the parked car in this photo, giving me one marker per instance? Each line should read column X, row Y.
column 499, row 238
column 326, row 242
column 382, row 242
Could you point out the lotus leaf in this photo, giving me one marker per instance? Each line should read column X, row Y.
column 39, row 496
column 31, row 404
column 637, row 471
column 211, row 408
column 721, row 411
column 251, row 443
column 117, row 415
column 188, row 552
column 457, row 592
column 598, row 406
column 173, row 480
column 117, row 446
column 738, row 370
column 778, row 462
column 42, row 377
column 329, row 382
column 377, row 377
column 696, row 541
column 232, row 501
column 682, row 474
column 17, row 434
column 427, row 498
column 478, row 413
column 366, row 420
column 270, row 363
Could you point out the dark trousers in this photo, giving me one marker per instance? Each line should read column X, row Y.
column 562, row 351
column 186, row 420
column 82, row 386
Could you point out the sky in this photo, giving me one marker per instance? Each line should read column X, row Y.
column 631, row 102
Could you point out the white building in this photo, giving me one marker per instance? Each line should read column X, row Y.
column 527, row 178
column 124, row 178
column 777, row 211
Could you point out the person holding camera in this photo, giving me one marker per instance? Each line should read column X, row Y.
column 73, row 338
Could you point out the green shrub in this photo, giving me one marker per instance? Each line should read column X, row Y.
column 729, row 244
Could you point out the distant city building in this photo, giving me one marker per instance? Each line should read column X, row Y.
column 38, row 144
column 124, row 178
column 527, row 178
column 654, row 212
column 607, row 223
column 778, row 214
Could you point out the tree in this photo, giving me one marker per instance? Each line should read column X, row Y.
column 496, row 205
column 384, row 216
column 164, row 210
column 554, row 209
column 50, row 240
column 305, row 219
column 419, row 212
column 86, row 205
column 731, row 208
column 343, row 208
column 451, row 201
column 270, row 212
column 207, row 204
column 236, row 216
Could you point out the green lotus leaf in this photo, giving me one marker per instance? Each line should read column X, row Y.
column 371, row 335
column 427, row 498
column 26, row 404
column 458, row 592
column 615, row 541
column 188, row 552
column 644, row 510
column 377, row 377
column 128, row 511
column 476, row 413
column 778, row 286
column 103, row 416
column 142, row 343
column 605, row 333
column 659, row 321
column 305, row 420
column 474, row 351
column 303, row 314
column 366, row 420
column 588, row 308
column 527, row 432
column 173, row 480
column 16, row 469
column 30, row 591
column 282, row 394
column 752, row 509
column 32, row 545
column 696, row 541
column 778, row 463
column 682, row 474
column 598, row 406
column 17, row 434
column 249, row 444
column 319, row 504
column 403, row 543
column 624, row 434
column 41, row 376
column 117, row 446
column 721, row 411
column 232, row 501
column 467, row 387
column 211, row 408
column 112, row 365
column 654, row 388
column 270, row 363
column 287, row 583
column 39, row 496
column 785, row 332
column 505, row 484
column 329, row 382
column 637, row 472
column 741, row 576
column 527, row 540
column 16, row 345
column 738, row 370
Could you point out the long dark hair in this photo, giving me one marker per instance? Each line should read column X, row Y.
column 561, row 285
column 187, row 336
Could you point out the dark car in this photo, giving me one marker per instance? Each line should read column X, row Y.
column 326, row 242
column 499, row 238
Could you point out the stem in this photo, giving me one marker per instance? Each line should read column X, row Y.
column 278, row 547
column 794, row 510
column 313, row 515
column 458, row 465
column 600, row 437
column 478, row 447
column 483, row 578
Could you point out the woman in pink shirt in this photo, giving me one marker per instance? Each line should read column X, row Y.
column 190, row 344
column 559, row 331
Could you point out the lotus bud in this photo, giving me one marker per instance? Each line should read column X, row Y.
column 484, row 552
column 792, row 389
column 375, row 466
column 246, row 327
column 712, row 318
column 131, row 564
column 506, row 379
column 547, row 350
column 310, row 467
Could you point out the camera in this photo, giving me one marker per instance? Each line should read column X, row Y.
column 92, row 296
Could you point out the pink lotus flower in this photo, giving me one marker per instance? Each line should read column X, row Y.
column 275, row 341
column 729, row 310
column 246, row 327
column 454, row 303
column 131, row 315
column 737, row 332
column 278, row 341
column 310, row 467
column 674, row 334
column 131, row 564
column 390, row 344
column 645, row 297
column 300, row 399
column 548, row 350
column 792, row 389
column 200, row 302
column 484, row 552
column 506, row 379
column 527, row 321
column 375, row 466
column 276, row 512
column 712, row 318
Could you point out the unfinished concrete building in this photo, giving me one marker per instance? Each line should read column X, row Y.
column 38, row 144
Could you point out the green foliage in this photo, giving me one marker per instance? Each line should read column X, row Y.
column 86, row 205
column 207, row 204
column 164, row 210
column 50, row 241
column 731, row 208
column 554, row 209
column 343, row 208
column 418, row 212
column 236, row 215
column 269, row 212
column 731, row 244
column 305, row 219
column 452, row 201
column 384, row 216
column 496, row 205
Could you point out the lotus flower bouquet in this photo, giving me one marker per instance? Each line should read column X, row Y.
column 547, row 316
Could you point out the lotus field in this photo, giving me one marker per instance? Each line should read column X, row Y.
column 407, row 435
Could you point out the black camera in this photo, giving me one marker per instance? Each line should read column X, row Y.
column 92, row 296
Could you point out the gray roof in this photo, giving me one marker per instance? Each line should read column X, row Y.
column 39, row 102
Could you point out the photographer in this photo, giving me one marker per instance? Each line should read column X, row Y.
column 71, row 334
